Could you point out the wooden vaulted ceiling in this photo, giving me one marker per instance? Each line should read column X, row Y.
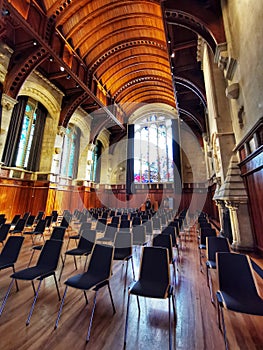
column 115, row 53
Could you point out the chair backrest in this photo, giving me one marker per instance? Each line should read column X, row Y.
column 48, row 220
column 207, row 232
column 165, row 241
column 26, row 215
column 125, row 224
column 30, row 220
column 216, row 244
column 101, row 225
column 4, row 229
column 39, row 216
column 156, row 223
column 101, row 261
column 110, row 231
column 139, row 234
column 123, row 244
column 64, row 222
column 15, row 219
column 49, row 255
column 20, row 225
column 136, row 221
column 40, row 226
column 87, row 240
column 12, row 248
column 54, row 215
column 170, row 230
column 235, row 275
column 85, row 226
column 154, row 267
column 115, row 220
column 2, row 220
column 58, row 233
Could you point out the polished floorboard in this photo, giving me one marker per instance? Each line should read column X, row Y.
column 196, row 325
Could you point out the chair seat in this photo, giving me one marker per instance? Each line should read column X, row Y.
column 84, row 281
column 211, row 264
column 37, row 247
column 150, row 290
column 78, row 251
column 120, row 256
column 74, row 236
column 31, row 273
column 4, row 263
column 243, row 304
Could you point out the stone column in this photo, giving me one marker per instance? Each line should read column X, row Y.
column 8, row 105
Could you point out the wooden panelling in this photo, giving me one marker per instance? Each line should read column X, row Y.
column 252, row 171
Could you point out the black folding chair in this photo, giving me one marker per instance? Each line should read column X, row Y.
column 96, row 277
column 165, row 241
column 57, row 234
column 19, row 227
column 4, row 229
column 10, row 252
column 153, row 282
column 214, row 245
column 170, row 230
column 38, row 230
column 206, row 232
column 84, row 248
column 123, row 251
column 45, row 267
column 15, row 220
column 109, row 234
column 237, row 290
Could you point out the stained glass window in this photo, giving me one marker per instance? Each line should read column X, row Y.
column 70, row 152
column 27, row 134
column 153, row 160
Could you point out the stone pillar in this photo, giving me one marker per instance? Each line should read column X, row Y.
column 8, row 105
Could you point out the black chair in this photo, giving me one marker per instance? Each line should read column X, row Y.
column 2, row 220
column 96, row 277
column 48, row 220
column 139, row 235
column 170, row 230
column 54, row 216
column 153, row 282
column 57, row 234
column 15, row 220
column 84, row 248
column 125, row 225
column 214, row 245
column 4, row 229
column 115, row 220
column 10, row 252
column 39, row 216
column 38, row 230
column 109, row 234
column 45, row 267
column 85, row 226
column 123, row 251
column 237, row 290
column 165, row 241
column 156, row 224
column 136, row 221
column 207, row 232
column 101, row 225
column 30, row 221
column 19, row 227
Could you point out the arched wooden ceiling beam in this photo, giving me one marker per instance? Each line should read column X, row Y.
column 132, row 107
column 141, row 74
column 210, row 28
column 145, row 43
column 132, row 95
column 112, row 68
column 193, row 87
column 141, row 96
column 137, row 73
column 115, row 40
column 141, row 81
column 192, row 117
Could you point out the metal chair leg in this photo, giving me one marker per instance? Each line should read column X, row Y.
column 126, row 322
column 59, row 298
column 112, row 303
column 33, row 305
column 91, row 318
column 62, row 267
column 17, row 289
column 170, row 325
column 6, row 296
column 60, row 308
column 33, row 252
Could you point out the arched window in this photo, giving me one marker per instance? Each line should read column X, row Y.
column 153, row 150
column 70, row 152
column 25, row 134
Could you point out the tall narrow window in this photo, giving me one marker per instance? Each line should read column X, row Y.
column 70, row 153
column 153, row 152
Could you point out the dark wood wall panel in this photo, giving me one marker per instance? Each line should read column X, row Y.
column 252, row 172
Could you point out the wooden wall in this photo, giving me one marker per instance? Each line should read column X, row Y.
column 252, row 172
column 19, row 196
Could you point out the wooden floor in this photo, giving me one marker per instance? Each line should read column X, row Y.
column 196, row 326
